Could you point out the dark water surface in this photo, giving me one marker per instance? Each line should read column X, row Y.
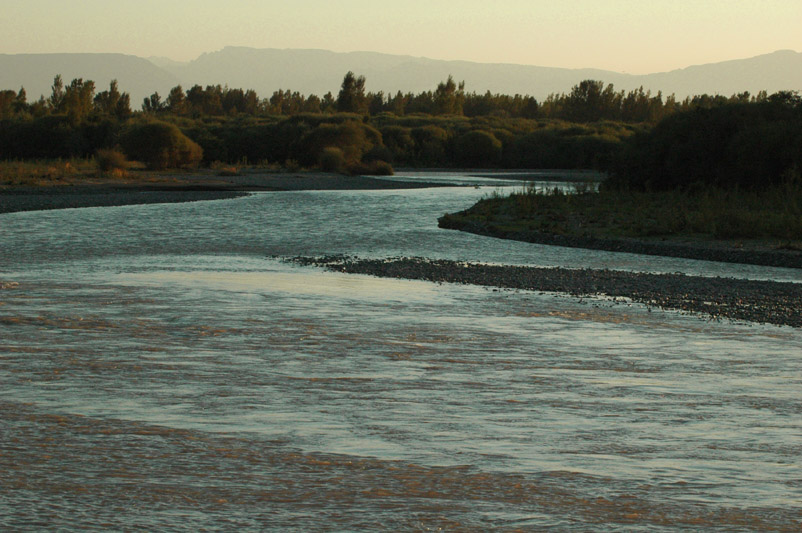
column 161, row 367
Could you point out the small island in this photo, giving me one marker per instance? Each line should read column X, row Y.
column 719, row 184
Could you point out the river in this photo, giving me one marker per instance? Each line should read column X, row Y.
column 162, row 367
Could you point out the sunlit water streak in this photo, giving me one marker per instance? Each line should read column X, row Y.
column 160, row 368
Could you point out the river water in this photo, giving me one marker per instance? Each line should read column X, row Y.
column 162, row 367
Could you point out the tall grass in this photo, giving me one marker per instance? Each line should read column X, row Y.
column 44, row 171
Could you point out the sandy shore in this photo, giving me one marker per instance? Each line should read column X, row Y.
column 754, row 301
column 181, row 188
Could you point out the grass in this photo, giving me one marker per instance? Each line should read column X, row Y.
column 44, row 172
column 711, row 214
column 106, row 168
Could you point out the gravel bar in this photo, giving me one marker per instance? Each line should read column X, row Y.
column 769, row 302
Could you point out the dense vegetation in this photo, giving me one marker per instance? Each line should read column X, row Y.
column 737, row 145
column 774, row 213
column 728, row 172
column 354, row 131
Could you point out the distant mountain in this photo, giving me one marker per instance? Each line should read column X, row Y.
column 136, row 76
column 778, row 71
column 320, row 71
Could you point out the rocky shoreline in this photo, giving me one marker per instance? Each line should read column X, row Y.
column 770, row 302
column 704, row 251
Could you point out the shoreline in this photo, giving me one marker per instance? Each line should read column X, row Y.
column 182, row 188
column 705, row 251
column 769, row 302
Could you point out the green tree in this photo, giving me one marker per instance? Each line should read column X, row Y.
column 20, row 104
column 590, row 101
column 78, row 99
column 449, row 98
column 351, row 98
column 153, row 103
column 56, row 100
column 6, row 103
column 176, row 101
column 106, row 101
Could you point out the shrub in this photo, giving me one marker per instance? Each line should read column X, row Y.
column 108, row 160
column 373, row 168
column 478, row 148
column 353, row 138
column 332, row 159
column 160, row 145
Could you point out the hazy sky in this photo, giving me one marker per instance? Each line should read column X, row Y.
column 635, row 36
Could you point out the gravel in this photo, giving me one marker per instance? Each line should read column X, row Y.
column 769, row 302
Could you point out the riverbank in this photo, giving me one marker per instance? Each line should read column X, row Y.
column 174, row 188
column 717, row 298
column 734, row 227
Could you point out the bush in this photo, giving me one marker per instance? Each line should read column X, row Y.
column 160, row 145
column 478, row 148
column 108, row 160
column 332, row 159
column 373, row 168
column 353, row 138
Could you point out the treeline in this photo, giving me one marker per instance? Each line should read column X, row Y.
column 747, row 145
column 230, row 125
column 592, row 126
column 588, row 101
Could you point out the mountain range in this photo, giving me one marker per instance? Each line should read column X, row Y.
column 321, row 71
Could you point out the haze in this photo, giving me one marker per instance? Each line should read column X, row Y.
column 621, row 35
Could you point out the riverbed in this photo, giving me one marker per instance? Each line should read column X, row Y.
column 163, row 367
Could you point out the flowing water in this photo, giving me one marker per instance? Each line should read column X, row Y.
column 162, row 367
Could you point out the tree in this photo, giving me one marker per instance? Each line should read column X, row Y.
column 106, row 101
column 590, row 101
column 20, row 104
column 351, row 98
column 448, row 98
column 56, row 100
column 78, row 99
column 123, row 109
column 153, row 103
column 6, row 102
column 176, row 101
column 113, row 102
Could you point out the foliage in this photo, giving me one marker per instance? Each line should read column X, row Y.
column 738, row 145
column 160, row 145
column 373, row 168
column 742, row 140
column 332, row 159
column 109, row 160
column 773, row 214
column 478, row 148
column 44, row 172
column 351, row 98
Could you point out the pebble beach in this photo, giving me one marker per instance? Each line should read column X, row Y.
column 770, row 302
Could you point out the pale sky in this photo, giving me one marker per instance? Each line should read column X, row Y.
column 634, row 36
